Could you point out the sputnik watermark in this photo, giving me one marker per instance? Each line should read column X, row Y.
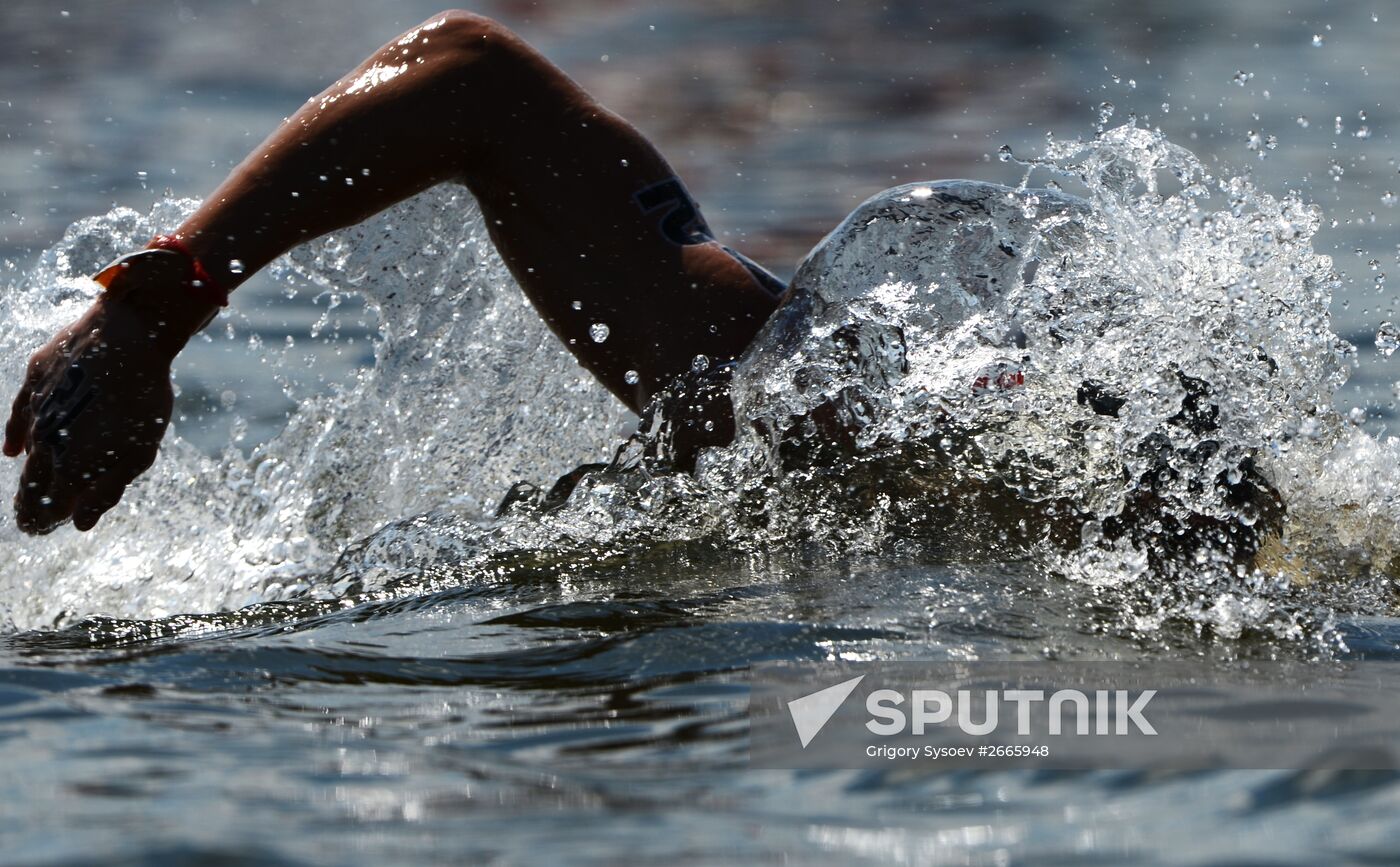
column 1076, row 715
column 935, row 707
column 1102, row 715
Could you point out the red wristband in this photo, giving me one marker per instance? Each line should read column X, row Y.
column 201, row 284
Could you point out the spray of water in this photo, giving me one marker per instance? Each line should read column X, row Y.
column 468, row 392
column 1133, row 386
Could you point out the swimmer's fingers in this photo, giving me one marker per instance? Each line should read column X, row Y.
column 97, row 501
column 115, row 474
column 20, row 422
column 49, row 494
column 45, row 497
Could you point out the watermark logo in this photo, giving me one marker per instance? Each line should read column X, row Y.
column 1075, row 715
column 1107, row 712
column 812, row 712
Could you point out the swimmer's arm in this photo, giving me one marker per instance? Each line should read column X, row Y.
column 394, row 126
column 96, row 399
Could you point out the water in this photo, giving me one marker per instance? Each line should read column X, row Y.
column 322, row 647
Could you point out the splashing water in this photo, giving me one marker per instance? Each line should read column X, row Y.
column 468, row 392
column 1134, row 387
column 1387, row 339
column 1140, row 363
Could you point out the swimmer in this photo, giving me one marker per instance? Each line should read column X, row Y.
column 582, row 208
column 579, row 204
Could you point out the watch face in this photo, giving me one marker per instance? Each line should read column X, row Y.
column 109, row 276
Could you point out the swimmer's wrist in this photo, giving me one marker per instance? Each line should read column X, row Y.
column 168, row 318
column 200, row 283
column 162, row 291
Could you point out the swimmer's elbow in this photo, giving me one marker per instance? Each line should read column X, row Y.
column 465, row 34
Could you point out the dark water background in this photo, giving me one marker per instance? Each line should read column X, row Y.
column 595, row 714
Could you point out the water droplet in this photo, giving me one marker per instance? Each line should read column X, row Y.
column 1302, row 121
column 624, row 163
column 1166, row 107
column 235, row 266
column 228, row 398
column 1388, row 199
column 1004, row 153
column 1387, row 339
column 1106, row 110
column 1261, row 143
column 1317, row 40
column 631, row 377
column 599, row 332
column 577, row 305
column 1241, row 77
column 1356, row 415
column 700, row 364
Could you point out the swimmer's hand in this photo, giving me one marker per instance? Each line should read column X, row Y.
column 97, row 400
